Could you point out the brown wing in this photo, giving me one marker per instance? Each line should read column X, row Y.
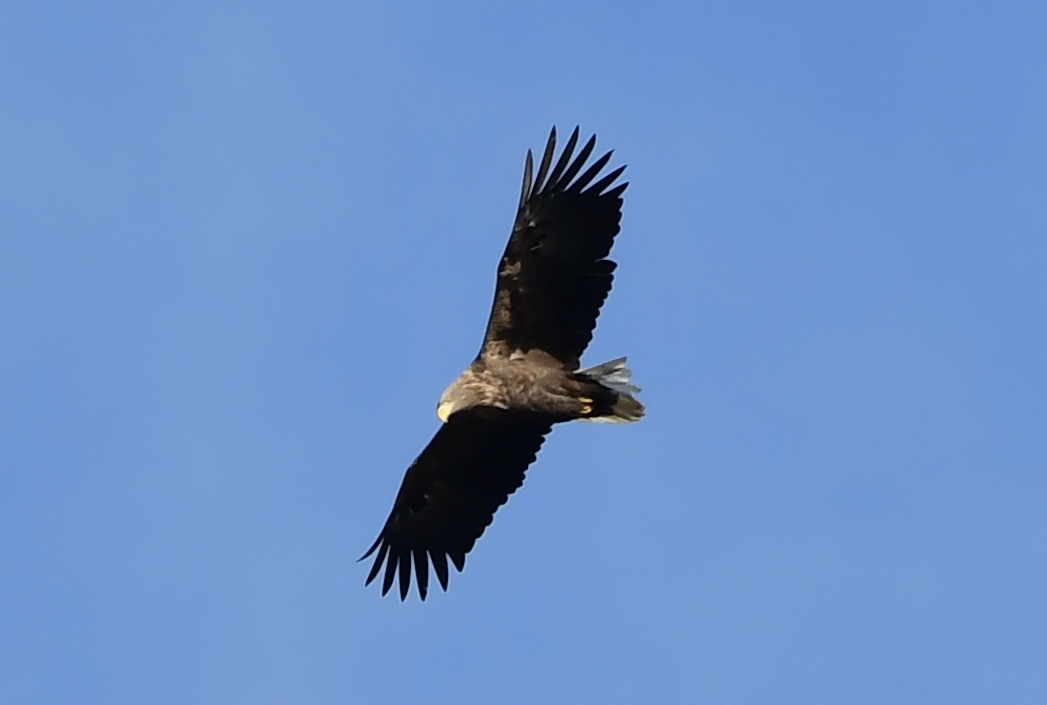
column 451, row 492
column 554, row 277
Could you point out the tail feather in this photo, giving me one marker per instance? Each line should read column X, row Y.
column 614, row 375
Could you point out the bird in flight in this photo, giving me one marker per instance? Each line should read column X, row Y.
column 552, row 281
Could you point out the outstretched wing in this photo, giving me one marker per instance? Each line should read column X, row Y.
column 451, row 492
column 554, row 275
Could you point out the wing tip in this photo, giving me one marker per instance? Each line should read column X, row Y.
column 398, row 564
column 568, row 165
column 525, row 189
column 374, row 546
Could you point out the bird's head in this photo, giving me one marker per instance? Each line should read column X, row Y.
column 449, row 403
column 460, row 395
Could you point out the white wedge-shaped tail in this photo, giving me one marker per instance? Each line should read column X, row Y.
column 614, row 375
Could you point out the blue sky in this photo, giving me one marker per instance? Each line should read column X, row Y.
column 245, row 246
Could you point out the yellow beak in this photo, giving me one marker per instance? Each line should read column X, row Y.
column 443, row 411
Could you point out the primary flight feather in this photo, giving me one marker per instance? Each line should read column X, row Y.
column 552, row 281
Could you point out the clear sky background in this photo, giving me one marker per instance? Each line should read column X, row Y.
column 245, row 246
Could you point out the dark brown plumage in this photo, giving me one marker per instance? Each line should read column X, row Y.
column 452, row 479
column 552, row 281
column 553, row 277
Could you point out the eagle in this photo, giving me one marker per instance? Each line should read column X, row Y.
column 552, row 281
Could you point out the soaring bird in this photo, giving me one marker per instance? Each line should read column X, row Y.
column 552, row 281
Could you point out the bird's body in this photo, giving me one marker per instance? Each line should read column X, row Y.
column 525, row 384
column 512, row 384
column 552, row 280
